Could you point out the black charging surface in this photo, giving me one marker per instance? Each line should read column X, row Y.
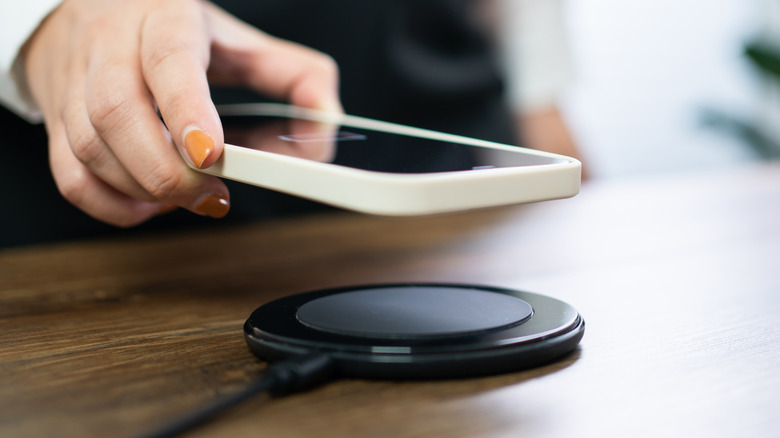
column 397, row 312
column 409, row 331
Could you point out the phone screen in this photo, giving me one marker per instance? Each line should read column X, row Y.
column 367, row 149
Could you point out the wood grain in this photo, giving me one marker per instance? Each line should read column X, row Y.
column 678, row 280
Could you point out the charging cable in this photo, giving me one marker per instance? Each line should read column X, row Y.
column 295, row 374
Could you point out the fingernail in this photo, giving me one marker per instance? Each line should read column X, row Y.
column 216, row 206
column 198, row 146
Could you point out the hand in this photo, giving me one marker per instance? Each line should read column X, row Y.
column 100, row 70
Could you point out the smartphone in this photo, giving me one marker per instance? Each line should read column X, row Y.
column 382, row 168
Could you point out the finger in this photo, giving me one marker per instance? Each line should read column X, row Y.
column 87, row 192
column 287, row 71
column 86, row 144
column 123, row 113
column 175, row 49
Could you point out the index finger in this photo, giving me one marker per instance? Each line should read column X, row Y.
column 175, row 46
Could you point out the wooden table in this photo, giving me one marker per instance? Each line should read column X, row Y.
column 678, row 279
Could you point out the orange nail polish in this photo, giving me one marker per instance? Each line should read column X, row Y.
column 215, row 206
column 198, row 146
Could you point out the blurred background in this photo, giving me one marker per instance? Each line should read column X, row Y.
column 663, row 86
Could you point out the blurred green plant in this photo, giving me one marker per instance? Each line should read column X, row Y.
column 766, row 58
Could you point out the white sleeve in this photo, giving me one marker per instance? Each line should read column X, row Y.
column 535, row 51
column 19, row 21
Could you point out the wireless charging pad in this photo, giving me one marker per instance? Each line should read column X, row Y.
column 417, row 331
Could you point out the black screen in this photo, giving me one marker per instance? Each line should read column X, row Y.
column 367, row 149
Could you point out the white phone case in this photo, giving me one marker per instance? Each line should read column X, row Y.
column 392, row 194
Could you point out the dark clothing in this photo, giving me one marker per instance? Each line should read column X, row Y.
column 421, row 63
column 415, row 62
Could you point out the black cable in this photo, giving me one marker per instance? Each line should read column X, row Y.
column 295, row 374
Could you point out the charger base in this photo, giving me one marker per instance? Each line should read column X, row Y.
column 417, row 331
